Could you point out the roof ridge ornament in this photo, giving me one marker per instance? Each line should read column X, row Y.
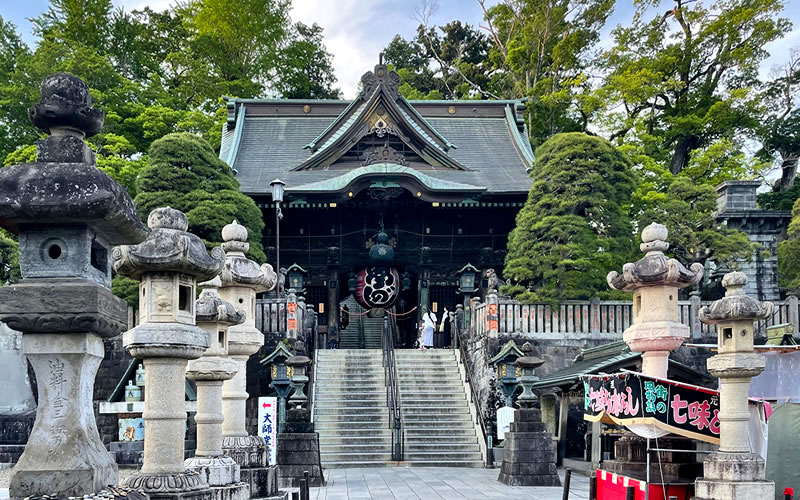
column 380, row 77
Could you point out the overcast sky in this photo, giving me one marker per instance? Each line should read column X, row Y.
column 356, row 30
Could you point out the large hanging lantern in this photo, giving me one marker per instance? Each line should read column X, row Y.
column 377, row 287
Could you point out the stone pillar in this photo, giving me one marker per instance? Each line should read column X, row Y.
column 241, row 279
column 734, row 472
column 333, row 300
column 492, row 314
column 67, row 214
column 654, row 280
column 214, row 315
column 17, row 398
column 168, row 264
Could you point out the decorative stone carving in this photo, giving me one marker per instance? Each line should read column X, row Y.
column 734, row 472
column 167, row 264
column 241, row 279
column 654, row 281
column 67, row 214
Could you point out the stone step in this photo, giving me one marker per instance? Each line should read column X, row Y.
column 362, row 425
column 355, row 457
column 356, row 449
column 356, row 433
column 360, row 416
column 436, row 418
column 332, row 404
column 442, row 447
column 434, row 410
column 447, row 463
column 451, row 438
column 435, row 455
column 350, row 464
column 371, row 440
column 350, row 410
column 440, row 425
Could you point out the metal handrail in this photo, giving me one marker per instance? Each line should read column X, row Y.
column 313, row 383
column 392, row 399
column 476, row 400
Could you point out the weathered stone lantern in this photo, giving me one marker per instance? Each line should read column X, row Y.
column 209, row 371
column 734, row 472
column 167, row 264
column 529, row 458
column 67, row 214
column 241, row 279
column 281, row 378
column 298, row 367
column 296, row 277
column 655, row 280
column 506, row 369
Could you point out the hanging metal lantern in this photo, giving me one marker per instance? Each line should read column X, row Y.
column 377, row 286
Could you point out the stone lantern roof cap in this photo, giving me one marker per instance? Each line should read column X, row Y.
column 298, row 361
column 168, row 248
column 65, row 103
column 655, row 269
column 64, row 186
column 735, row 305
column 210, row 307
column 238, row 269
column 509, row 351
column 528, row 360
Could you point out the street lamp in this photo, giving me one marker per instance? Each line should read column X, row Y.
column 277, row 197
column 466, row 286
column 295, row 275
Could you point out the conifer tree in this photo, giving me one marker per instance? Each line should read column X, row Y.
column 575, row 225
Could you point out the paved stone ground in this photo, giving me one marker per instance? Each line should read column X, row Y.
column 417, row 483
column 430, row 483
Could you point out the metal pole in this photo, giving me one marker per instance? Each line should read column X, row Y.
column 593, row 487
column 647, row 482
column 567, row 478
column 630, row 493
column 278, row 253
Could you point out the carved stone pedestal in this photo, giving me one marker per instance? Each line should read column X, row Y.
column 529, row 458
column 298, row 451
column 64, row 453
column 250, row 453
column 222, row 474
column 180, row 486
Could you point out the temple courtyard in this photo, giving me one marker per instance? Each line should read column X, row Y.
column 390, row 483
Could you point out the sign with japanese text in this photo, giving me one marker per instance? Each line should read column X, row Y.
column 632, row 398
column 268, row 424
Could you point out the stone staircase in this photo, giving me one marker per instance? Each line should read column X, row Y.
column 349, row 338
column 350, row 411
column 436, row 416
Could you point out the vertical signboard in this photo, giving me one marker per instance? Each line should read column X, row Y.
column 268, row 424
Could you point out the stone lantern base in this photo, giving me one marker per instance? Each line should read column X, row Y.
column 529, row 458
column 730, row 476
column 298, row 451
column 222, row 475
column 183, row 486
column 250, row 453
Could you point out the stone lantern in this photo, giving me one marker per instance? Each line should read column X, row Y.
column 506, row 370
column 68, row 214
column 167, row 264
column 298, row 366
column 526, row 376
column 529, row 458
column 734, row 472
column 214, row 315
column 654, row 279
column 281, row 378
column 241, row 279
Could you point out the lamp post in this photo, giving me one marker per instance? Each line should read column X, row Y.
column 277, row 196
column 466, row 286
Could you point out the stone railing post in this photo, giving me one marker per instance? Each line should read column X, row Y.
column 68, row 214
column 793, row 305
column 292, row 316
column 594, row 314
column 695, row 326
column 492, row 314
column 167, row 264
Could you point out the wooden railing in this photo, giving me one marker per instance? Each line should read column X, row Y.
column 595, row 318
column 285, row 315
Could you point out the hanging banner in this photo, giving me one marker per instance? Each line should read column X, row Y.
column 631, row 398
column 268, row 425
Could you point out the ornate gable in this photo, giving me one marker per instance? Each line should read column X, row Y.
column 380, row 126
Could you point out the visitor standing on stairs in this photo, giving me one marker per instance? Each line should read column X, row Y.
column 429, row 320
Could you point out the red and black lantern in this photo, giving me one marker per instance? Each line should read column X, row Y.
column 377, row 287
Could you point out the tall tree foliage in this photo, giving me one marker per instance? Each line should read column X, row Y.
column 575, row 225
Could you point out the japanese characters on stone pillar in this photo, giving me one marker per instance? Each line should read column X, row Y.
column 734, row 472
column 209, row 371
column 168, row 264
column 67, row 214
column 241, row 280
column 655, row 280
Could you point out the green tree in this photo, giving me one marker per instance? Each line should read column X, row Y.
column 789, row 253
column 9, row 259
column 184, row 172
column 307, row 66
column 575, row 225
column 684, row 79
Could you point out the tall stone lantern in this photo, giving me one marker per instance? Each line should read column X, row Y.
column 241, row 279
column 734, row 472
column 654, row 281
column 209, row 371
column 67, row 214
column 167, row 264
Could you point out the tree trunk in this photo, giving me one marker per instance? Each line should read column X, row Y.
column 680, row 156
column 788, row 172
